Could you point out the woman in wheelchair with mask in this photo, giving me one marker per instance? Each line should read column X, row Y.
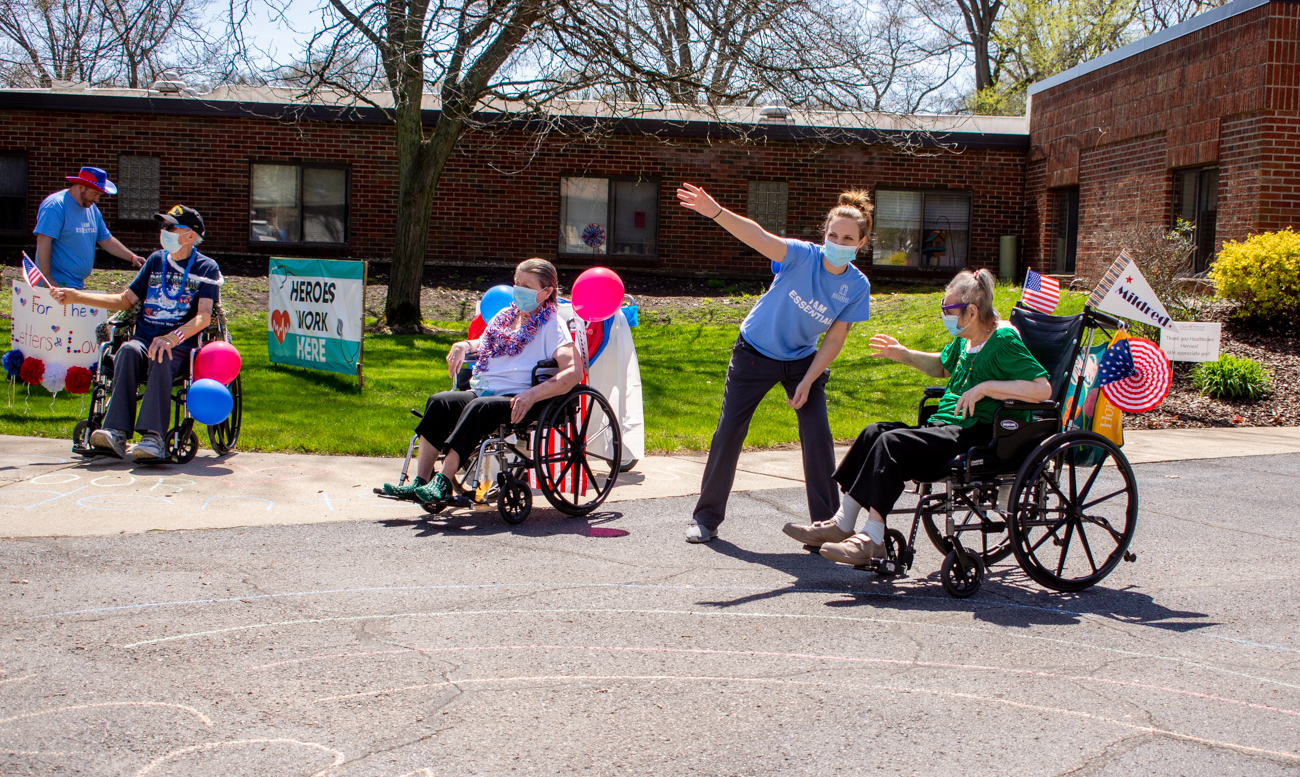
column 985, row 363
column 526, row 332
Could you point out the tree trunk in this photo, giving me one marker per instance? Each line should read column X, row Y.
column 421, row 163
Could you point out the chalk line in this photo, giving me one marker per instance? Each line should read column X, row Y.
column 206, row 720
column 155, row 763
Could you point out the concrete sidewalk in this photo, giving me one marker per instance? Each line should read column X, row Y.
column 47, row 491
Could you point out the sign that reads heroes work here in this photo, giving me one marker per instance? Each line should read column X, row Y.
column 315, row 313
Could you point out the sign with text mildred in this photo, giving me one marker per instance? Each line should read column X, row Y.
column 315, row 314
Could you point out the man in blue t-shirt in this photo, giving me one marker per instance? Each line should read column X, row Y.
column 69, row 226
column 177, row 287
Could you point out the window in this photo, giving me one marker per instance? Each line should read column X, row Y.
column 922, row 229
column 612, row 216
column 768, row 204
column 137, row 187
column 299, row 204
column 1065, row 230
column 13, row 192
column 1196, row 201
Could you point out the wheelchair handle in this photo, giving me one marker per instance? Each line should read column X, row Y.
column 1097, row 318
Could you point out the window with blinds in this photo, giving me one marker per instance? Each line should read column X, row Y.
column 921, row 228
column 769, row 205
column 138, row 187
column 13, row 192
column 298, row 204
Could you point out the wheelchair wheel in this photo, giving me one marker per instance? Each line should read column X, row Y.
column 225, row 435
column 579, row 447
column 1075, row 506
column 182, row 444
column 514, row 499
column 961, row 580
column 895, row 543
column 81, row 436
column 432, row 508
column 994, row 545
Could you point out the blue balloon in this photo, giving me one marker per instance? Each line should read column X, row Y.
column 209, row 402
column 495, row 300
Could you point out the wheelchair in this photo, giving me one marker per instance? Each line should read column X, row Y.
column 570, row 446
column 181, row 442
column 1036, row 490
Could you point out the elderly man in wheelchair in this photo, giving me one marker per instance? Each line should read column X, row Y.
column 454, row 423
column 178, row 287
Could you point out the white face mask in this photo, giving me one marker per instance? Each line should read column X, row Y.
column 170, row 242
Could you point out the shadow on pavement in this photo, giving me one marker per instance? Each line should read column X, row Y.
column 542, row 522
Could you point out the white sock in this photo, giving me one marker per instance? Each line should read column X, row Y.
column 875, row 530
column 847, row 516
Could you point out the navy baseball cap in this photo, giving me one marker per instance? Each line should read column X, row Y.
column 182, row 216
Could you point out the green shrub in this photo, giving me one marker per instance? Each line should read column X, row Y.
column 1231, row 377
column 1261, row 274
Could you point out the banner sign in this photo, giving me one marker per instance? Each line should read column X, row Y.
column 54, row 333
column 1192, row 342
column 1124, row 292
column 315, row 316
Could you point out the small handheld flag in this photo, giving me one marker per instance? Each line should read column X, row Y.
column 1041, row 293
column 32, row 273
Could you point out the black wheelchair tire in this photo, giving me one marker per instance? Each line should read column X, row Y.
column 942, row 544
column 81, row 436
column 1037, row 484
column 225, row 435
column 895, row 543
column 560, row 416
column 961, row 584
column 432, row 508
column 514, row 499
column 182, row 448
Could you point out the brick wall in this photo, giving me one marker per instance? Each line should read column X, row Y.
column 498, row 200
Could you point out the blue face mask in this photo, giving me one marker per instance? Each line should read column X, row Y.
column 839, row 255
column 526, row 299
column 170, row 242
column 950, row 323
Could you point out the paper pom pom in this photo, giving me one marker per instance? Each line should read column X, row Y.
column 32, row 371
column 12, row 362
column 54, row 378
column 78, row 380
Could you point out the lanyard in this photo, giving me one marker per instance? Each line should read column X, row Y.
column 185, row 277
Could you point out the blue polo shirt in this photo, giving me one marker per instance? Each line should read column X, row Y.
column 75, row 230
column 803, row 302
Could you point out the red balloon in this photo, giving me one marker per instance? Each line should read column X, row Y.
column 217, row 361
column 476, row 328
column 597, row 294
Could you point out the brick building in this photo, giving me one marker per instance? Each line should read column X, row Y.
column 1201, row 122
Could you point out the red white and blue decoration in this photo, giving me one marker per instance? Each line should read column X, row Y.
column 32, row 273
column 1041, row 293
column 1135, row 374
column 593, row 236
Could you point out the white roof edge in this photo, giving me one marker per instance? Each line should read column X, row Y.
column 1213, row 16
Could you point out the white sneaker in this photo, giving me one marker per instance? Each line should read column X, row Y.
column 698, row 533
column 109, row 440
column 150, row 448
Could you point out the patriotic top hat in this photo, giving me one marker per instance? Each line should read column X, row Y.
column 94, row 178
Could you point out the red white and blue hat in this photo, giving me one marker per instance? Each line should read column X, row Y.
column 94, row 178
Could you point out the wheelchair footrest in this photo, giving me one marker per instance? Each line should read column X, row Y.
column 885, row 566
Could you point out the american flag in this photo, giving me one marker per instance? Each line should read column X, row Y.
column 1117, row 363
column 1041, row 292
column 1147, row 385
column 32, row 273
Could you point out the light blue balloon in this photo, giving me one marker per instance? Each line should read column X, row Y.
column 495, row 300
column 209, row 402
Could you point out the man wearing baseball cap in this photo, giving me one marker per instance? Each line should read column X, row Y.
column 69, row 226
column 178, row 287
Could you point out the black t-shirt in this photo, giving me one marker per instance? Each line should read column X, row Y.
column 169, row 307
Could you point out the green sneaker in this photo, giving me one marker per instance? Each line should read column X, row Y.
column 406, row 490
column 436, row 490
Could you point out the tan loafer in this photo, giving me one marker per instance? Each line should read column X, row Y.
column 817, row 534
column 856, row 550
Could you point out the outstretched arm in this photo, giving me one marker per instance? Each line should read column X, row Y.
column 123, row 300
column 748, row 231
column 886, row 347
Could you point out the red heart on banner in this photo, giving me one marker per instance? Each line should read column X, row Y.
column 280, row 324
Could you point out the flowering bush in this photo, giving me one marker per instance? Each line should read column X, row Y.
column 1261, row 274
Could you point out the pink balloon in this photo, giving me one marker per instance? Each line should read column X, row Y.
column 597, row 294
column 217, row 361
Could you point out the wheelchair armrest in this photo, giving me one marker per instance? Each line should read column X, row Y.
column 933, row 392
column 924, row 411
column 1017, row 405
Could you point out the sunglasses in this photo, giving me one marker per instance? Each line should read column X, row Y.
column 958, row 306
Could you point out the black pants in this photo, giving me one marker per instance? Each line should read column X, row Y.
column 887, row 455
column 131, row 364
column 750, row 375
column 459, row 420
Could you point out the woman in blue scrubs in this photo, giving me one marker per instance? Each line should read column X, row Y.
column 817, row 292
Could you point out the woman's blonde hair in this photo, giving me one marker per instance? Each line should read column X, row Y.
column 975, row 288
column 854, row 205
column 546, row 275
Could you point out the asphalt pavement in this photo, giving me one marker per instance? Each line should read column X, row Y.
column 385, row 645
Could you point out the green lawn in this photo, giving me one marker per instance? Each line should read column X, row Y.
column 683, row 367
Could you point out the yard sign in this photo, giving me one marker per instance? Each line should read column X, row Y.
column 315, row 314
column 52, row 332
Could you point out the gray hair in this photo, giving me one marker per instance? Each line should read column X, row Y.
column 975, row 289
column 545, row 274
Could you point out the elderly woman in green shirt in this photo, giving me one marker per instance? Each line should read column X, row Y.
column 985, row 363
